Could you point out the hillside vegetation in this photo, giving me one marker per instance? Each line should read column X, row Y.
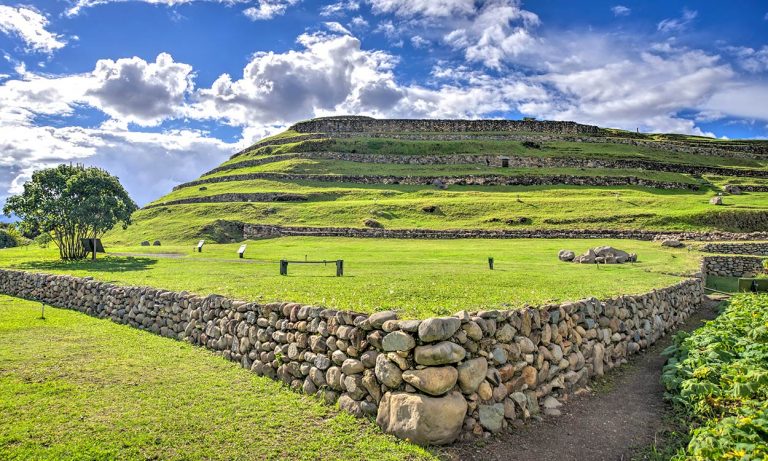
column 422, row 180
column 718, row 375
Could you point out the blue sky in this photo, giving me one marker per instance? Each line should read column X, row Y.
column 157, row 91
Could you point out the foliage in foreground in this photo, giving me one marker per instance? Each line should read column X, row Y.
column 71, row 203
column 719, row 376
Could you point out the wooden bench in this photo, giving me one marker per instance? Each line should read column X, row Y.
column 339, row 265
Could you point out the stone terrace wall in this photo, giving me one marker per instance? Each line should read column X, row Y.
column 430, row 381
column 732, row 266
column 494, row 160
column 369, row 125
column 753, row 248
column 468, row 180
column 255, row 231
column 745, row 150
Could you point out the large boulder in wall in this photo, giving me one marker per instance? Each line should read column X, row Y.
column 422, row 419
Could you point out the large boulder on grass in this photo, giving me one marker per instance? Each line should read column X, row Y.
column 373, row 224
column 566, row 255
column 672, row 243
column 422, row 419
column 716, row 200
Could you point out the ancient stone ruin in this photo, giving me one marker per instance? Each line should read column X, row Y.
column 598, row 255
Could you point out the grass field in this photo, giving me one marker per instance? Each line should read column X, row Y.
column 77, row 388
column 341, row 167
column 458, row 207
column 363, row 145
column 416, row 277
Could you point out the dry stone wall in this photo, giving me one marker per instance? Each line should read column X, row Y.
column 256, row 231
column 430, row 381
column 235, row 197
column 732, row 266
column 752, row 248
column 752, row 150
column 370, row 125
column 468, row 180
column 495, row 160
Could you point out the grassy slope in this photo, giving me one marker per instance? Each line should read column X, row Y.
column 515, row 148
column 419, row 278
column 458, row 207
column 338, row 167
column 77, row 388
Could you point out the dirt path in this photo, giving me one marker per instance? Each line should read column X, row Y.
column 625, row 414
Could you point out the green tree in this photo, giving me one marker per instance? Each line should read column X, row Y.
column 72, row 203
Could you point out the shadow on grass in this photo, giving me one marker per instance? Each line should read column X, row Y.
column 108, row 264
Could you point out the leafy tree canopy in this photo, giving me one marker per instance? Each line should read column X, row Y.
column 71, row 203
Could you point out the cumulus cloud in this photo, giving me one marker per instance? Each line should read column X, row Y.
column 148, row 164
column 672, row 25
column 620, row 10
column 339, row 8
column 268, row 9
column 750, row 59
column 648, row 92
column 488, row 32
column 30, row 26
column 138, row 91
column 432, row 8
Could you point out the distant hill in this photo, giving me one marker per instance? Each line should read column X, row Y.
column 360, row 172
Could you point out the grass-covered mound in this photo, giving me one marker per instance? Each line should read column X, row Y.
column 419, row 278
column 77, row 388
column 332, row 174
column 719, row 376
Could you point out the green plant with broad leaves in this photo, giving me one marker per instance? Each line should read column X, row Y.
column 719, row 376
column 72, row 203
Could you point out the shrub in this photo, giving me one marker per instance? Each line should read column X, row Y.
column 43, row 240
column 531, row 145
column 719, row 376
column 6, row 240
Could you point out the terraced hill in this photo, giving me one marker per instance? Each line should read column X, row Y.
column 496, row 177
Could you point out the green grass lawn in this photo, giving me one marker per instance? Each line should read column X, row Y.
column 342, row 167
column 419, row 278
column 458, row 207
column 77, row 388
column 607, row 150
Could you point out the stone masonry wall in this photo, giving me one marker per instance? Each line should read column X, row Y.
column 468, row 180
column 494, row 160
column 732, row 266
column 430, row 381
column 752, row 248
column 369, row 125
column 256, row 231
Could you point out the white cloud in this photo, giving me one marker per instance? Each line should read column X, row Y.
column 419, row 42
column 129, row 90
column 498, row 32
column 268, row 9
column 80, row 5
column 490, row 32
column 432, row 8
column 336, row 27
column 359, row 22
column 339, row 8
column 750, row 59
column 148, row 164
column 621, row 10
column 30, row 26
column 137, row 91
column 743, row 100
column 671, row 25
column 647, row 92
